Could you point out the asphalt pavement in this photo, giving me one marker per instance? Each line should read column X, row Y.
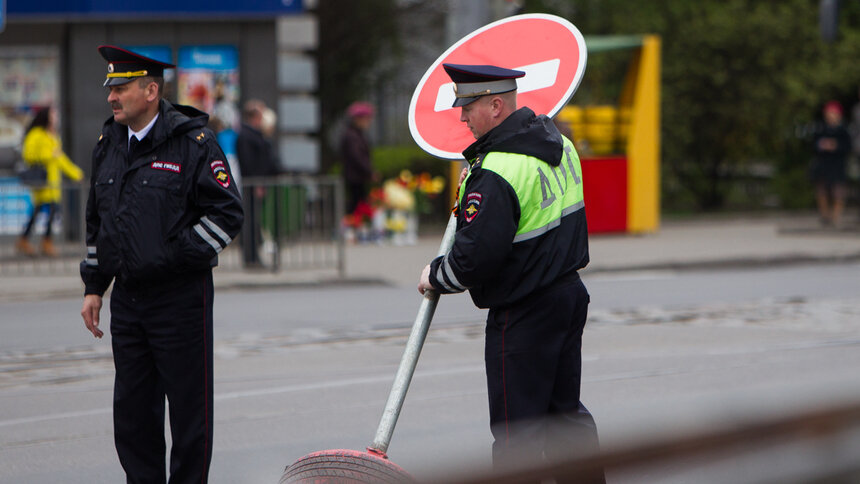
column 700, row 242
column 689, row 350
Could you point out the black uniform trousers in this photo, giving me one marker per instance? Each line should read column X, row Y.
column 534, row 365
column 161, row 334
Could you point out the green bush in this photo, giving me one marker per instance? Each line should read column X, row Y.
column 794, row 188
column 389, row 161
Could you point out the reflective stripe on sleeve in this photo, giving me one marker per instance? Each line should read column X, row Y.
column 91, row 259
column 546, row 228
column 446, row 277
column 441, row 279
column 216, row 230
column 208, row 238
column 449, row 273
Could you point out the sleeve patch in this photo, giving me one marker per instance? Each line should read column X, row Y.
column 220, row 173
column 472, row 206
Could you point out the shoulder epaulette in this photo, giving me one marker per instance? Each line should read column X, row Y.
column 477, row 161
column 198, row 135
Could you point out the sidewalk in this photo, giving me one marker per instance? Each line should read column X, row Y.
column 689, row 244
column 700, row 243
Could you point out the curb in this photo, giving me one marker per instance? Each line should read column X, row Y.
column 226, row 284
column 731, row 263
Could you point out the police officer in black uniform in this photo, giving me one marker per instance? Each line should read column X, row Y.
column 521, row 238
column 162, row 205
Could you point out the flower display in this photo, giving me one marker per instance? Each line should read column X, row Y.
column 423, row 188
column 363, row 213
column 398, row 196
column 391, row 212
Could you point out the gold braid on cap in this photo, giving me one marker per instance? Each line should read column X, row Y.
column 474, row 94
column 127, row 74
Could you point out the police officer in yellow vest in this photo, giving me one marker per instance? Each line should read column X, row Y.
column 521, row 238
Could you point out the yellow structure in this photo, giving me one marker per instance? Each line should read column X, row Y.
column 641, row 95
column 601, row 129
column 631, row 129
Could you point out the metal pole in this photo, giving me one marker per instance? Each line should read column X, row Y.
column 276, row 227
column 338, row 220
column 410, row 356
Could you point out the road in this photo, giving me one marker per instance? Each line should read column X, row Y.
column 300, row 370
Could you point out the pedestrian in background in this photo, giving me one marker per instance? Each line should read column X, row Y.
column 162, row 205
column 355, row 154
column 42, row 146
column 521, row 238
column 832, row 145
column 257, row 161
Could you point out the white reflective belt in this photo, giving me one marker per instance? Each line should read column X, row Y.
column 208, row 238
column 217, row 230
column 91, row 262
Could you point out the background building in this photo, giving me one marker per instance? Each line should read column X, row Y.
column 226, row 52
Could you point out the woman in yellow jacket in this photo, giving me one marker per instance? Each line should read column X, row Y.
column 43, row 146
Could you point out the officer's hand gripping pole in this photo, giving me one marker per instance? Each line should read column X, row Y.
column 410, row 356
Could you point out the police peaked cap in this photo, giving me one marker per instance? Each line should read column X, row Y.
column 474, row 81
column 125, row 66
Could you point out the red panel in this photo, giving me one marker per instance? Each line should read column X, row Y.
column 605, row 187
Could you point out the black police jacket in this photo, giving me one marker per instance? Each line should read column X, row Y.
column 168, row 208
column 521, row 224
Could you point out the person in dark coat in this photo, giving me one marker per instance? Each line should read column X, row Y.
column 162, row 205
column 355, row 154
column 832, row 145
column 257, row 161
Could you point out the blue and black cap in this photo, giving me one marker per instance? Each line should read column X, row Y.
column 124, row 66
column 474, row 81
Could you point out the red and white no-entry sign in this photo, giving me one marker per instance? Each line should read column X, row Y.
column 549, row 49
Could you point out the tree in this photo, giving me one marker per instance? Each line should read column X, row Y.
column 353, row 38
column 375, row 49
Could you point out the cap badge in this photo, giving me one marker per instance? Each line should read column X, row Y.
column 110, row 67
